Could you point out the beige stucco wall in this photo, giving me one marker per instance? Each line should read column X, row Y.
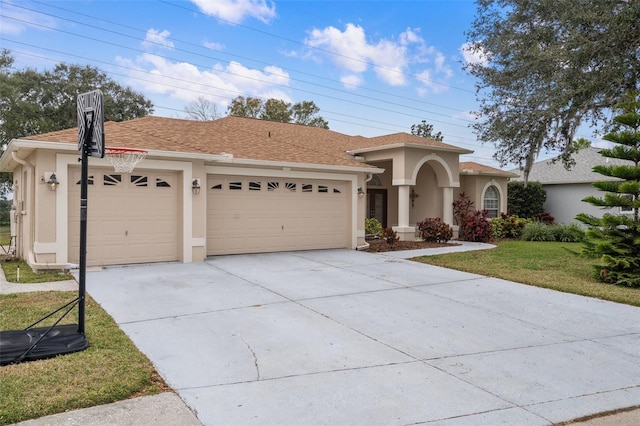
column 429, row 200
column 474, row 187
column 432, row 175
column 42, row 230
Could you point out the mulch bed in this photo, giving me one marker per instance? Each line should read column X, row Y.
column 378, row 246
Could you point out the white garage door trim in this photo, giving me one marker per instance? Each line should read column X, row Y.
column 63, row 161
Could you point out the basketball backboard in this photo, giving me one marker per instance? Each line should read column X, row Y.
column 91, row 116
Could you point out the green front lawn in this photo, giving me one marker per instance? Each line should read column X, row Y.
column 542, row 264
column 111, row 369
column 28, row 275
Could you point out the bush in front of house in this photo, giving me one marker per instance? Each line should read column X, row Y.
column 435, row 230
column 538, row 231
column 568, row 233
column 508, row 226
column 372, row 226
column 390, row 236
column 477, row 228
column 544, row 217
column 525, row 201
column 473, row 224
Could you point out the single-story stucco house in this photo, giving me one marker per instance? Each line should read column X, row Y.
column 567, row 188
column 265, row 186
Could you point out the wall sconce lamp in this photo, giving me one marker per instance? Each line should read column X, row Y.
column 413, row 196
column 195, row 186
column 360, row 192
column 51, row 180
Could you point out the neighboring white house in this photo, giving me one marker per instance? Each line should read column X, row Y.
column 567, row 188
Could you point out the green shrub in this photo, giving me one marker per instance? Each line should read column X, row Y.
column 537, row 231
column 525, row 201
column 390, row 236
column 567, row 233
column 508, row 226
column 435, row 230
column 372, row 226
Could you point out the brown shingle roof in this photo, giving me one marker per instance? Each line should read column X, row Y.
column 244, row 138
column 470, row 167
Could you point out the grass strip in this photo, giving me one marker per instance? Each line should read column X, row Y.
column 552, row 265
column 28, row 275
column 111, row 369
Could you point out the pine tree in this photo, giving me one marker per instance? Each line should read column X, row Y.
column 615, row 238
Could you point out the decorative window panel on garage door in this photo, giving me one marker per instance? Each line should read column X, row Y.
column 266, row 214
column 132, row 218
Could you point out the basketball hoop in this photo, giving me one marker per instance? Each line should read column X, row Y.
column 124, row 160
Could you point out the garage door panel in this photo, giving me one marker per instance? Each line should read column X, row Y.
column 284, row 214
column 131, row 218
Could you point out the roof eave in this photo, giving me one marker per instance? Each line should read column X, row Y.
column 481, row 173
column 408, row 145
column 365, row 168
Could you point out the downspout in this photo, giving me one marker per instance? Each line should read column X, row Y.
column 31, row 260
column 366, row 245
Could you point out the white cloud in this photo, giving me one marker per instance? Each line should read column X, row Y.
column 155, row 38
column 351, row 51
column 213, row 45
column 429, row 83
column 237, row 10
column 16, row 21
column 471, row 57
column 352, row 81
column 183, row 81
column 390, row 59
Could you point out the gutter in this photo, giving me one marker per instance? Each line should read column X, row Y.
column 31, row 260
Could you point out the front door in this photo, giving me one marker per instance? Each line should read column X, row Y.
column 377, row 205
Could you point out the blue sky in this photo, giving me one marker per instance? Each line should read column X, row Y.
column 373, row 67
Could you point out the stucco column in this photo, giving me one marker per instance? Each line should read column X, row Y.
column 404, row 230
column 447, row 210
column 447, row 205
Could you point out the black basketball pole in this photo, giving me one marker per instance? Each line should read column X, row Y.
column 84, row 178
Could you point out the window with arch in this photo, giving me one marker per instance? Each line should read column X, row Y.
column 491, row 201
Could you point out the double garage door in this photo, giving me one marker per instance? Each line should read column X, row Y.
column 132, row 218
column 136, row 218
column 266, row 214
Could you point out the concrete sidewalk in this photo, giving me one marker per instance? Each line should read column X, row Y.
column 276, row 287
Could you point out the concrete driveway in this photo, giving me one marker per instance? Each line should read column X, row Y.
column 346, row 337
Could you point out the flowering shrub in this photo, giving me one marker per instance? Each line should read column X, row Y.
column 508, row 226
column 372, row 226
column 390, row 236
column 435, row 230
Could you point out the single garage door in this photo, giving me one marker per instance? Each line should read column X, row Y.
column 258, row 215
column 132, row 218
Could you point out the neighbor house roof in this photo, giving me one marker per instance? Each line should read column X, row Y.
column 245, row 138
column 472, row 168
column 549, row 172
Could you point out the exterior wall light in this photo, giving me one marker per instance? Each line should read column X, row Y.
column 51, row 181
column 360, row 192
column 195, row 186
